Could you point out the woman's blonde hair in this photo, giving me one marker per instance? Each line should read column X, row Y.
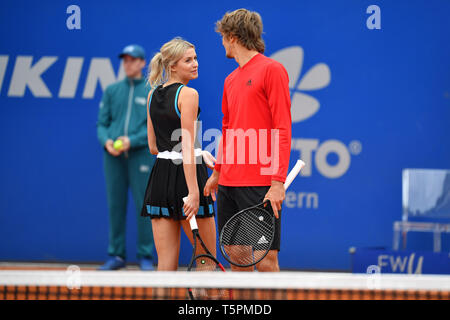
column 161, row 63
column 246, row 26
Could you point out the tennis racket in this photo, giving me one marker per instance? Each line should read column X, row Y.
column 247, row 237
column 204, row 262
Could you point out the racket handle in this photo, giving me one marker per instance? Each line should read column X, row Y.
column 293, row 173
column 192, row 221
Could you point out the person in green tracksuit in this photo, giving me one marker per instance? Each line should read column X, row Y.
column 123, row 116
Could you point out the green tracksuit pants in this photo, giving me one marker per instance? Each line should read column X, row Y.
column 121, row 173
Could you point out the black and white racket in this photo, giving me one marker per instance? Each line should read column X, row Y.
column 204, row 262
column 247, row 236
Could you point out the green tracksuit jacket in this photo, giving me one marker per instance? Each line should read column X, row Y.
column 123, row 112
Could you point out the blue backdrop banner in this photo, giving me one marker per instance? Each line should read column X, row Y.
column 370, row 91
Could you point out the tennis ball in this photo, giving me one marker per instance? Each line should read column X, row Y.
column 118, row 144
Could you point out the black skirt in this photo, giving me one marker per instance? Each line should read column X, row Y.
column 167, row 187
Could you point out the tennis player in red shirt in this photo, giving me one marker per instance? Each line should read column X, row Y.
column 254, row 152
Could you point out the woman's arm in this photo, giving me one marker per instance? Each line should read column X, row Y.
column 188, row 105
column 150, row 131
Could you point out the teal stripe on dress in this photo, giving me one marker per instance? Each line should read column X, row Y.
column 176, row 100
column 211, row 208
column 150, row 100
column 155, row 211
column 165, row 211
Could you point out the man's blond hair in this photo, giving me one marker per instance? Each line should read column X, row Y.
column 246, row 26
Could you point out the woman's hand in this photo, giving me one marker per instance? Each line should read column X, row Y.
column 191, row 205
column 209, row 159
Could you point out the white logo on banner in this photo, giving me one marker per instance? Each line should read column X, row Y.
column 314, row 152
column 303, row 106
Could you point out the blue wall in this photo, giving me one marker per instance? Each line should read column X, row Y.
column 383, row 98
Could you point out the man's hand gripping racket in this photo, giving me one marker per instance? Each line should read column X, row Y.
column 247, row 237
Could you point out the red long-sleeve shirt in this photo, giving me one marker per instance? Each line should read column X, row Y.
column 255, row 102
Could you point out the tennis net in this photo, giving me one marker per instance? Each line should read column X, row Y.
column 138, row 285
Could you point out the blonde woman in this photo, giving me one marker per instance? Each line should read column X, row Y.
column 172, row 112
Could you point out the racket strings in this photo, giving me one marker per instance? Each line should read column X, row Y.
column 248, row 236
column 205, row 263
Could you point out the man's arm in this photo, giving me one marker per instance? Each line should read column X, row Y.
column 104, row 118
column 103, row 123
column 277, row 90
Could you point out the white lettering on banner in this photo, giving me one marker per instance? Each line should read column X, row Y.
column 401, row 264
column 381, row 260
column 100, row 70
column 419, row 264
column 25, row 75
column 3, row 64
column 306, row 148
column 308, row 200
column 321, row 159
column 71, row 76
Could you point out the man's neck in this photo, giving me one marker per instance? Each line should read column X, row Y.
column 243, row 55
